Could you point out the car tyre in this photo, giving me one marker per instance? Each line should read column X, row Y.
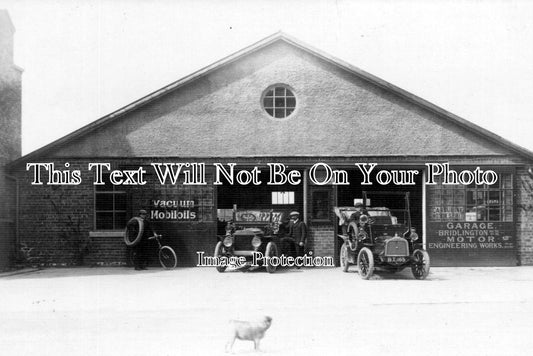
column 271, row 251
column 218, row 253
column 420, row 264
column 345, row 264
column 134, row 229
column 365, row 263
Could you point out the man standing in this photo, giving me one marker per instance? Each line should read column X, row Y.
column 360, row 210
column 298, row 231
column 140, row 256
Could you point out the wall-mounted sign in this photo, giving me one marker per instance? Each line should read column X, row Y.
column 177, row 210
column 258, row 216
column 471, row 235
column 471, row 243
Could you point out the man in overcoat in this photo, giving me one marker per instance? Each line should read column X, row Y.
column 298, row 231
column 140, row 250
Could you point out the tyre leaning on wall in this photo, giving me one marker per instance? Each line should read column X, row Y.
column 134, row 231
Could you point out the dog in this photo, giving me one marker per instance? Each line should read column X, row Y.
column 248, row 330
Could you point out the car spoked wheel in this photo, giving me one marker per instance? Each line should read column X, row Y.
column 420, row 264
column 365, row 263
column 344, row 257
column 353, row 231
column 271, row 251
column 167, row 257
column 219, row 249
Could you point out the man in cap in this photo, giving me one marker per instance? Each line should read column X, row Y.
column 140, row 256
column 298, row 231
column 354, row 217
column 360, row 210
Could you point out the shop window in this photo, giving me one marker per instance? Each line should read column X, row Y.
column 110, row 206
column 472, row 202
column 280, row 198
column 225, row 214
column 279, row 101
column 320, row 204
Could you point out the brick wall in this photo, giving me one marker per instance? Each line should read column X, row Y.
column 322, row 240
column 108, row 251
column 524, row 216
column 56, row 222
column 8, row 190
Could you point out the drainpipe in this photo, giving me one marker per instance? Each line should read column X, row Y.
column 17, row 203
column 424, row 211
column 305, row 197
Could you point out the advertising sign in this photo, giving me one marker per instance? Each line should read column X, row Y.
column 174, row 210
column 471, row 243
column 258, row 215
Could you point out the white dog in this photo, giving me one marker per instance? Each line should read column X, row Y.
column 248, row 330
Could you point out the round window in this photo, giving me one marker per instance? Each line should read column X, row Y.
column 279, row 101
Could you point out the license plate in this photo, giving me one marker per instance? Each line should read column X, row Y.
column 396, row 259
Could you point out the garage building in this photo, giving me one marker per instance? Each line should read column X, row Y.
column 276, row 101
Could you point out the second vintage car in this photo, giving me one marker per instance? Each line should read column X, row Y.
column 381, row 238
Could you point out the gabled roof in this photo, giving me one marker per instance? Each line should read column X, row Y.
column 279, row 36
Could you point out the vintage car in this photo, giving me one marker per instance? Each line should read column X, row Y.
column 381, row 238
column 255, row 233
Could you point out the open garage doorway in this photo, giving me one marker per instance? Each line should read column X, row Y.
column 256, row 200
column 347, row 195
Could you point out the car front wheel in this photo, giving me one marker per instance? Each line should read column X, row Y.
column 420, row 264
column 344, row 257
column 365, row 263
column 218, row 254
column 271, row 251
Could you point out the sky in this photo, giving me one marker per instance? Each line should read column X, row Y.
column 85, row 59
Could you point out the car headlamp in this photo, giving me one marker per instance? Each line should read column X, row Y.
column 228, row 241
column 363, row 219
column 414, row 236
column 256, row 242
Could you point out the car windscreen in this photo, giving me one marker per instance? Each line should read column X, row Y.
column 386, row 216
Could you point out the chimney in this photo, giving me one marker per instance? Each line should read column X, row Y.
column 10, row 94
column 10, row 140
column 6, row 39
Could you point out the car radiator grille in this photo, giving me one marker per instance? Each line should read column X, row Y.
column 396, row 247
column 243, row 243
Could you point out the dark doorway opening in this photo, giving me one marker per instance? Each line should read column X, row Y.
column 346, row 194
column 284, row 197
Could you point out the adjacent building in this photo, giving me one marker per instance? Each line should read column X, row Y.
column 10, row 138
